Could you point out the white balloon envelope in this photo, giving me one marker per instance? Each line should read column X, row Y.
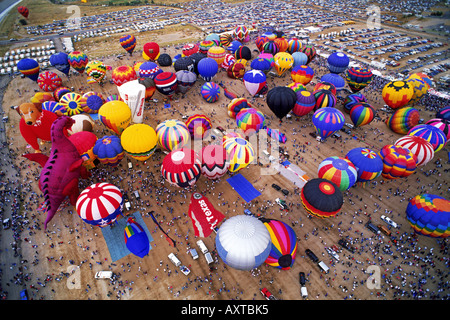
column 133, row 94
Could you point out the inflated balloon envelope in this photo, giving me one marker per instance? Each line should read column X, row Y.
column 133, row 94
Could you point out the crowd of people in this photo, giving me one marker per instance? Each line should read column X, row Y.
column 409, row 269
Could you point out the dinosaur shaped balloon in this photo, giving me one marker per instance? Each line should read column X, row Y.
column 61, row 170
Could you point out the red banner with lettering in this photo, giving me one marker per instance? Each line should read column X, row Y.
column 203, row 214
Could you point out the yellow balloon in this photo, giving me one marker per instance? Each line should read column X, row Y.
column 139, row 141
column 217, row 53
column 116, row 115
column 283, row 62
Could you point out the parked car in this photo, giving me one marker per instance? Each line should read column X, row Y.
column 6, row 223
column 332, row 253
column 372, row 228
column 276, row 187
column 311, row 255
column 389, row 221
column 266, row 293
column 346, row 245
column 302, row 278
column 185, row 270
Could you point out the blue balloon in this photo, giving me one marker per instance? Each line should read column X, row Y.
column 367, row 162
column 261, row 64
column 207, row 68
column 234, row 45
column 60, row 61
column 300, row 59
column 29, row 68
column 334, row 79
column 136, row 239
column 337, row 62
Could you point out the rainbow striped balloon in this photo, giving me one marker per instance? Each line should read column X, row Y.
column 398, row 162
column 284, row 244
column 78, row 60
column 73, row 102
column 128, row 42
column 240, row 153
column 250, row 120
column 338, row 170
column 210, row 91
column 172, row 134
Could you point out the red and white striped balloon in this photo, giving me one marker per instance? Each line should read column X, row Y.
column 99, row 204
column 420, row 147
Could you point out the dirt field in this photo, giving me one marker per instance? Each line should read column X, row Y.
column 70, row 242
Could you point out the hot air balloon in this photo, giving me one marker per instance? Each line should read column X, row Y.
column 254, row 81
column 189, row 49
column 78, row 60
column 397, row 94
column 96, row 70
column 151, row 51
column 116, row 115
column 321, row 198
column 243, row 242
column 338, row 170
column 429, row 215
column 243, row 52
column 225, row 39
column 150, row 87
column 271, row 47
column 54, row 107
column 296, row 86
column 237, row 105
column 228, row 61
column 128, row 42
column 184, row 63
column 213, row 37
column 233, row 134
column 250, row 120
column 294, row 45
column 240, row 33
column 73, row 102
column 23, row 11
column 136, row 240
column 29, row 68
column 123, row 74
column 133, row 94
column 172, row 134
column 233, row 46
column 441, row 124
column 367, row 162
column 324, row 99
column 83, row 122
column 299, row 59
column 419, row 87
column 59, row 92
column 430, row 133
column 236, row 70
column 362, row 114
column 210, row 91
column 281, row 100
column 260, row 64
column 216, row 53
column 166, row 83
column 327, row 121
column 100, row 204
column 240, row 153
column 326, row 86
column 149, row 69
column 428, row 81
column 181, row 167
column 422, row 149
column 207, row 68
column 310, row 52
column 198, row 126
column 49, row 81
column 60, row 61
column 92, row 102
column 443, row 113
column 358, row 78
column 284, row 244
column 282, row 44
column 214, row 161
column 185, row 80
column 205, row 45
column 139, row 141
column 337, row 62
column 305, row 103
column 259, row 41
column 302, row 74
column 353, row 99
column 403, row 119
column 277, row 135
column 85, row 141
column 109, row 150
column 335, row 79
column 41, row 97
column 398, row 162
column 164, row 60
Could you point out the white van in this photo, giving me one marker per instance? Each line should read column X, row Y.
column 323, row 267
column 266, row 153
column 209, row 258
column 193, row 253
column 104, row 275
column 304, row 292
column 202, row 246
column 174, row 259
column 130, row 165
